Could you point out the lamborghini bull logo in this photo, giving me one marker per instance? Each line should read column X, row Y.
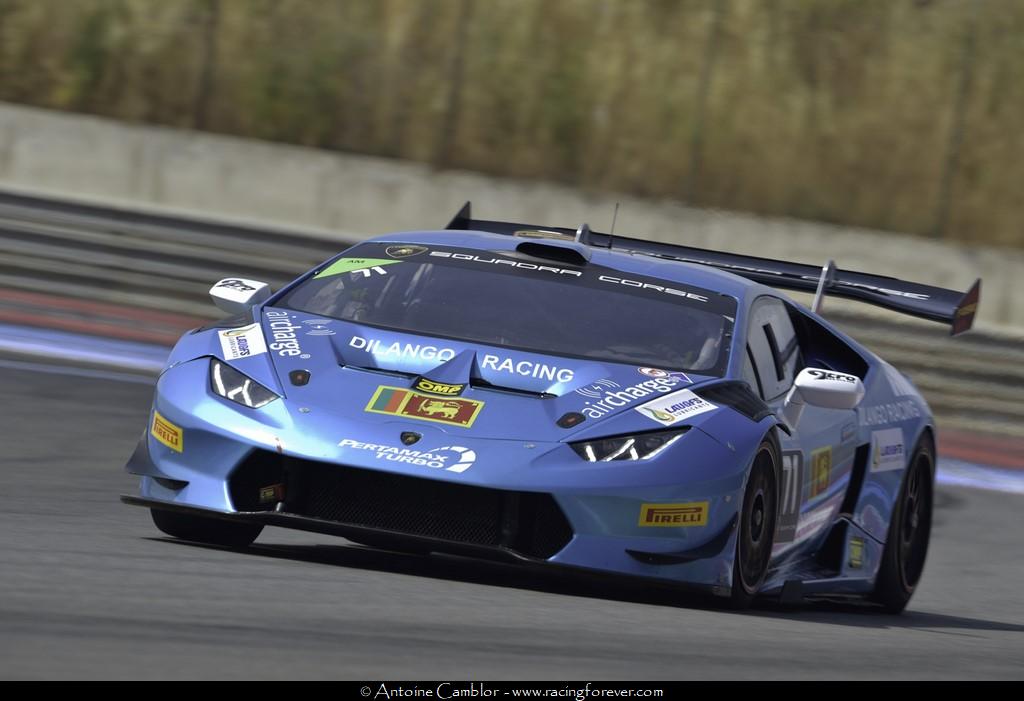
column 410, row 404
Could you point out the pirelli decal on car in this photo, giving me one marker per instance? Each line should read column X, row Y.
column 674, row 515
column 167, row 433
column 415, row 405
column 442, row 388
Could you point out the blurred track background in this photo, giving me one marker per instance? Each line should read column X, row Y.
column 891, row 115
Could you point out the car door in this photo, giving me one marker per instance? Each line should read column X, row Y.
column 816, row 462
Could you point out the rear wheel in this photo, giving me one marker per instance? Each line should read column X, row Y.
column 205, row 530
column 909, row 532
column 757, row 527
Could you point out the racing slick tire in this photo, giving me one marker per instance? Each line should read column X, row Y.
column 906, row 545
column 758, row 515
column 205, row 530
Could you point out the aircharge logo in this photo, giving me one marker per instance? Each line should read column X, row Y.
column 453, row 458
column 616, row 399
column 286, row 343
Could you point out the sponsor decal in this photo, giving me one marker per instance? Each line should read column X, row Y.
column 791, row 495
column 889, row 413
column 836, row 376
column 612, row 399
column 242, row 343
column 888, row 451
column 848, row 432
column 286, row 341
column 272, row 494
column 167, row 433
column 673, row 408
column 821, row 470
column 442, row 388
column 526, row 368
column 655, row 372
column 674, row 515
column 420, row 352
column 406, row 251
column 651, row 286
column 505, row 262
column 413, row 405
column 856, row 550
column 362, row 266
column 452, row 458
column 235, row 284
column 401, row 351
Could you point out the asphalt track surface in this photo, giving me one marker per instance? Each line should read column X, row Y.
column 89, row 588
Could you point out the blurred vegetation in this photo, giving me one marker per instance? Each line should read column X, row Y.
column 895, row 114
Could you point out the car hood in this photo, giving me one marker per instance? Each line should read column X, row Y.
column 358, row 372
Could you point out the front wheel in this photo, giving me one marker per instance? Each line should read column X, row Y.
column 909, row 532
column 757, row 527
column 205, row 530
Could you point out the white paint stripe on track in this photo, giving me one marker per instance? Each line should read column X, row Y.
column 71, row 347
column 77, row 372
column 956, row 473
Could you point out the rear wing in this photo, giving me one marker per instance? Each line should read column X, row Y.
column 957, row 309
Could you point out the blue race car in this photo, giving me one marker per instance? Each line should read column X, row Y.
column 565, row 397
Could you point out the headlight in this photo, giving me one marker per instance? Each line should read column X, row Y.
column 233, row 385
column 639, row 447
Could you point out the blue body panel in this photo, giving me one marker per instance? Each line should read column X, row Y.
column 519, row 446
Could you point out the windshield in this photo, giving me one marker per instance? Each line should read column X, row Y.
column 515, row 301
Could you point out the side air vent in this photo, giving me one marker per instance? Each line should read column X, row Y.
column 738, row 396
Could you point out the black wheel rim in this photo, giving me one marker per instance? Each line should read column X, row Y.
column 915, row 521
column 757, row 526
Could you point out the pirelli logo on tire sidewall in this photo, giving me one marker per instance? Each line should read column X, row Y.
column 167, row 433
column 674, row 515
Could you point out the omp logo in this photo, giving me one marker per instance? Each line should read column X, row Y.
column 596, row 390
column 167, row 433
column 674, row 515
column 448, row 390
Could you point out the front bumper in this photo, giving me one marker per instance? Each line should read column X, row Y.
column 535, row 503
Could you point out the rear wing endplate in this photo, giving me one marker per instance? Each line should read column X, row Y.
column 956, row 309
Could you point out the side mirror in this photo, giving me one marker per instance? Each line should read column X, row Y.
column 236, row 295
column 822, row 388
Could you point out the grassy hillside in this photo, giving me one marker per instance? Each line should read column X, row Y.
column 897, row 114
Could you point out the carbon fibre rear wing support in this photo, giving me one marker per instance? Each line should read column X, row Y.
column 956, row 309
